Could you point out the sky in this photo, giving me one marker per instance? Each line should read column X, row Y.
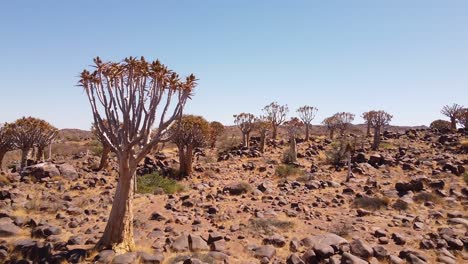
column 408, row 58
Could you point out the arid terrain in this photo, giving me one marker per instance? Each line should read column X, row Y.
column 405, row 203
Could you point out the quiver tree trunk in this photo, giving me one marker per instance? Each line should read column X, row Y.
column 307, row 132
column 293, row 149
column 186, row 160
column 40, row 154
column 24, row 157
column 368, row 129
column 104, row 157
column 376, row 143
column 2, row 155
column 332, row 133
column 118, row 234
column 453, row 123
column 245, row 139
column 349, row 174
column 262, row 142
column 275, row 132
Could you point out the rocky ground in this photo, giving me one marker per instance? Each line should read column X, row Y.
column 405, row 204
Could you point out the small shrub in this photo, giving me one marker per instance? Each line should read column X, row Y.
column 337, row 153
column 370, row 203
column 153, row 183
column 268, row 226
column 426, row 197
column 284, row 171
column 96, row 148
column 441, row 125
column 289, row 157
column 207, row 159
column 465, row 177
column 387, row 145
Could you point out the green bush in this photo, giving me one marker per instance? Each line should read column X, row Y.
column 96, row 147
column 154, row 183
column 441, row 125
column 284, row 171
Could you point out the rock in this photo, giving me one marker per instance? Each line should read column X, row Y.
column 237, row 188
column 398, row 238
column 380, row 252
column 458, row 221
column 41, row 170
column 275, row 240
column 127, row 258
column 104, row 256
column 180, row 244
column 196, row 243
column 404, row 187
column 8, row 229
column 146, row 258
column 361, row 249
column 267, row 251
column 309, row 256
column 349, row 258
column 294, row 259
column 45, row 231
column 68, row 171
column 328, row 239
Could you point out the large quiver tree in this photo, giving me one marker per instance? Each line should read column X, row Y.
column 276, row 114
column 189, row 133
column 132, row 95
column 452, row 112
column 6, row 141
column 307, row 114
column 246, row 123
column 380, row 119
column 263, row 126
column 46, row 137
column 216, row 129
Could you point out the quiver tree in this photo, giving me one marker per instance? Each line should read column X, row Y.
column 380, row 119
column 293, row 127
column 462, row 118
column 307, row 114
column 106, row 147
column 367, row 116
column 245, row 122
column 452, row 111
column 331, row 123
column 344, row 120
column 47, row 136
column 6, row 141
column 216, row 129
column 263, row 126
column 27, row 133
column 132, row 95
column 276, row 115
column 189, row 133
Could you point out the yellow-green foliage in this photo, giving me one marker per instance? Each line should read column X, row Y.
column 151, row 183
column 284, row 171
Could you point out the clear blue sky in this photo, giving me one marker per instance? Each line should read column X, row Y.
column 407, row 57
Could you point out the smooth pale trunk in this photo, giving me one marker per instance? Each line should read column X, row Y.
column 453, row 123
column 104, row 157
column 307, row 132
column 118, row 234
column 24, row 157
column 262, row 142
column 348, row 177
column 293, row 148
column 186, row 160
column 376, row 144
column 275, row 132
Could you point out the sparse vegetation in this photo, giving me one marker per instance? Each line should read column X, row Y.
column 151, row 183
column 465, row 177
column 426, row 197
column 269, row 226
column 370, row 203
column 287, row 170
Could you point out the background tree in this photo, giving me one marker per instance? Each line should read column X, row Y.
column 189, row 133
column 367, row 116
column 132, row 95
column 216, row 129
column 441, row 125
column 293, row 127
column 276, row 114
column 344, row 120
column 462, row 118
column 331, row 123
column 6, row 141
column 379, row 120
column 307, row 114
column 263, row 126
column 245, row 121
column 106, row 147
column 451, row 111
column 27, row 132
column 47, row 136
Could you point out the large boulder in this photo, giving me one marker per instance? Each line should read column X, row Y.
column 324, row 241
column 41, row 170
column 68, row 171
column 7, row 228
